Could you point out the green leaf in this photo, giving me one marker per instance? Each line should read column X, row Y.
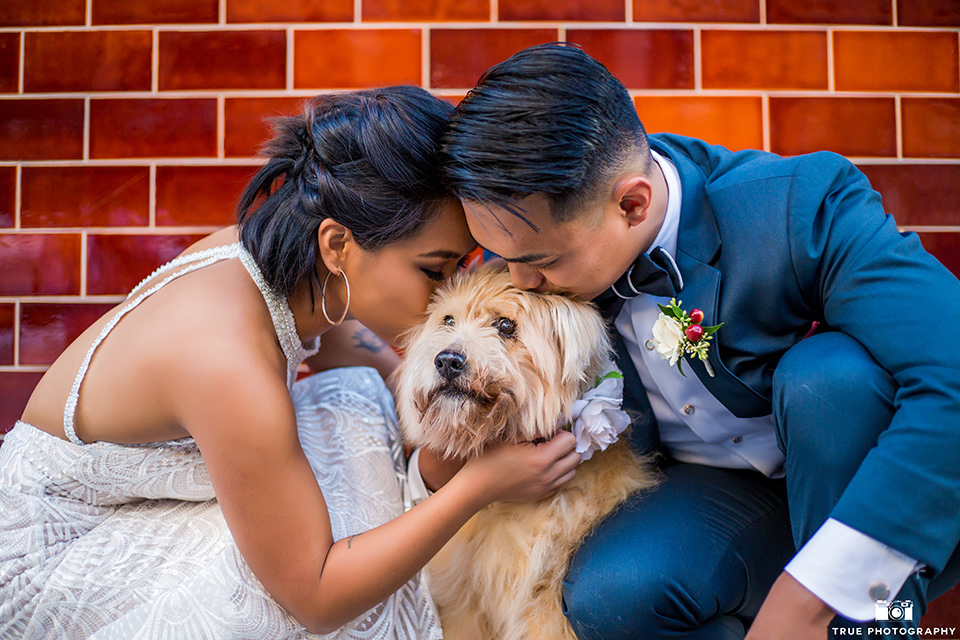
column 608, row 375
column 711, row 330
column 680, row 367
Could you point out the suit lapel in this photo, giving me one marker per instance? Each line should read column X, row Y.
column 698, row 249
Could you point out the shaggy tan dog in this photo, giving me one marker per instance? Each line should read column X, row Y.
column 494, row 363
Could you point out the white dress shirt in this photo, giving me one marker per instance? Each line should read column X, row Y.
column 845, row 568
column 842, row 566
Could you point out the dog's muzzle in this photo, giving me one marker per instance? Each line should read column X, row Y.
column 450, row 364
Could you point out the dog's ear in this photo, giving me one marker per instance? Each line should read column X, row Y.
column 579, row 338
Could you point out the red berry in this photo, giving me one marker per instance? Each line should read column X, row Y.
column 696, row 316
column 694, row 333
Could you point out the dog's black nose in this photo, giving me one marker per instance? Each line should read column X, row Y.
column 450, row 364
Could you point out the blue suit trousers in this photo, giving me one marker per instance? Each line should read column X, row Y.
column 696, row 557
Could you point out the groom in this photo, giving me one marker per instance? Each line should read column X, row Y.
column 812, row 455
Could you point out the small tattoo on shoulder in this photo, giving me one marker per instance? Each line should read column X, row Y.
column 350, row 540
column 365, row 339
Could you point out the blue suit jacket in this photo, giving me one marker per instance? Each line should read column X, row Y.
column 767, row 245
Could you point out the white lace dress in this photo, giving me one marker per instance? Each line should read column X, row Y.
column 113, row 541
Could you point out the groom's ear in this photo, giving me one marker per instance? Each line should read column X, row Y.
column 633, row 194
column 334, row 242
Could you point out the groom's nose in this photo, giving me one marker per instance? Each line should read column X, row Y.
column 524, row 276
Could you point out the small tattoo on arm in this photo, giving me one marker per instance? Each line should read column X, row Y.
column 365, row 339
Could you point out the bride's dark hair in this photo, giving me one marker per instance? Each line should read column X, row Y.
column 368, row 159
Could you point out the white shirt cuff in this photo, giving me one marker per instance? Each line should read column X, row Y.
column 850, row 571
column 416, row 490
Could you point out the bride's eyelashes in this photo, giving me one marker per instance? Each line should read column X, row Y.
column 437, row 276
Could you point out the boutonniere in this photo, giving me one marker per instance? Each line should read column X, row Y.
column 677, row 334
column 597, row 419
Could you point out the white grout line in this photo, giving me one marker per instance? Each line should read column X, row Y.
column 152, row 204
column 23, row 39
column 765, row 120
column 357, row 11
column 222, row 12
column 86, row 128
column 289, row 60
column 83, row 264
column 898, row 126
column 17, row 197
column 155, row 62
column 16, row 333
column 831, row 79
column 425, row 80
column 221, row 126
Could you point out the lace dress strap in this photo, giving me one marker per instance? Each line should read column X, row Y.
column 293, row 348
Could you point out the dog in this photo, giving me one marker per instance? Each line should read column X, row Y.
column 493, row 363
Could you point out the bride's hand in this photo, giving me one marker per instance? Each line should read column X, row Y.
column 525, row 472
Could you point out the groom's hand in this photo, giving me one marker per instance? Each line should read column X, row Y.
column 791, row 612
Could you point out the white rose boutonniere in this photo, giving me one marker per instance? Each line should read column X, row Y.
column 677, row 334
column 597, row 417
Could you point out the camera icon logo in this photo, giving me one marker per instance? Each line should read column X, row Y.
column 896, row 610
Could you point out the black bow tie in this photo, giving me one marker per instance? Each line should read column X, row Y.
column 652, row 273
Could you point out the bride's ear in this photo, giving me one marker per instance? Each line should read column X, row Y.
column 334, row 241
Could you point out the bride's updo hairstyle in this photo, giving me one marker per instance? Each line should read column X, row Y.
column 368, row 159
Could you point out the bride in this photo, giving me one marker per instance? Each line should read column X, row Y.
column 165, row 482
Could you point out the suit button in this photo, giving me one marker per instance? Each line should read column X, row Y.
column 738, row 440
column 688, row 409
column 649, row 345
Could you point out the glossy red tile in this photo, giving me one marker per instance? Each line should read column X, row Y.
column 23, row 13
column 7, row 312
column 931, row 127
column 290, row 11
column 46, row 329
column 896, row 61
column 117, row 263
column 155, row 11
column 39, row 264
column 9, row 62
column 223, row 60
column 764, row 59
column 734, row 122
column 696, row 11
column 425, row 10
column 849, row 126
column 942, row 612
column 15, row 389
column 87, row 61
column 598, row 10
column 830, row 12
column 642, row 58
column 459, row 56
column 200, row 195
column 153, row 128
column 247, row 122
column 356, row 58
column 929, row 13
column 85, row 197
column 918, row 194
column 8, row 196
column 41, row 129
column 945, row 247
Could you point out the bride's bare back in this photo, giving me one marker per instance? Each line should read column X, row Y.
column 142, row 372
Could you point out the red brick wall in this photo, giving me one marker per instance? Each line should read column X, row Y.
column 127, row 128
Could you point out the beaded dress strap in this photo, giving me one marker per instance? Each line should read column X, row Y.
column 200, row 259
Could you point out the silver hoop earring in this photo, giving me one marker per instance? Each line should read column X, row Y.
column 323, row 298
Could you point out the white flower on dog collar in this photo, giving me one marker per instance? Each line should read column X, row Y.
column 597, row 417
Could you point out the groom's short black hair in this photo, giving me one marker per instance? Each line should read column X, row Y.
column 549, row 120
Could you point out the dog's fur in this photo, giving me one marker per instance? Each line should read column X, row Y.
column 500, row 577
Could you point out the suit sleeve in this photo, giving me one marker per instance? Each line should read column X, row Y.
column 880, row 287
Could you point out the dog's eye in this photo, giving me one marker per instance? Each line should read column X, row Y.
column 505, row 326
column 448, row 320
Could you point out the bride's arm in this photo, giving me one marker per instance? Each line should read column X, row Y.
column 353, row 345
column 245, row 427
